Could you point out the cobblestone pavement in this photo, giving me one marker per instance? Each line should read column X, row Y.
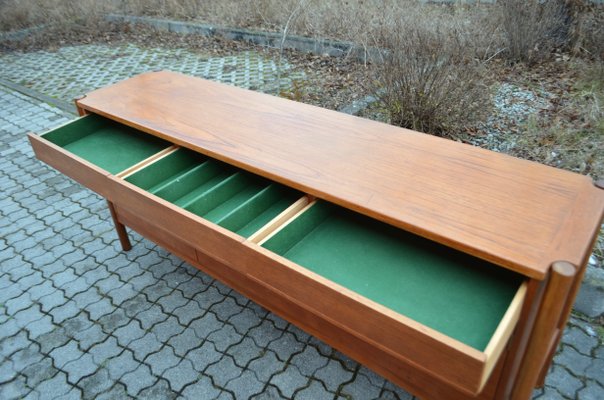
column 79, row 318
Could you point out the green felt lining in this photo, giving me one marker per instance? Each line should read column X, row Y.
column 451, row 292
column 218, row 192
column 107, row 144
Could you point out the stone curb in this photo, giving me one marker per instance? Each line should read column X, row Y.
column 68, row 109
column 270, row 39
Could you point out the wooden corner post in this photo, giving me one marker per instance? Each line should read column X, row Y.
column 547, row 330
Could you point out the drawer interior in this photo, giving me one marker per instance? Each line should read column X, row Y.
column 232, row 198
column 112, row 146
column 461, row 296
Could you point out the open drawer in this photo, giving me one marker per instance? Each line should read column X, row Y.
column 441, row 310
column 92, row 147
column 204, row 202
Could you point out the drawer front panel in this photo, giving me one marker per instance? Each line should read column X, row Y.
column 155, row 233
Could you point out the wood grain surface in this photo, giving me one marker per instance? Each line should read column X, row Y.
column 516, row 213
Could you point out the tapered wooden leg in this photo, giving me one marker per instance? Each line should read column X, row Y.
column 546, row 331
column 120, row 229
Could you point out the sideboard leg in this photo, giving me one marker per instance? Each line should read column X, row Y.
column 546, row 331
column 120, row 229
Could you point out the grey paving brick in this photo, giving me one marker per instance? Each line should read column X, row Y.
column 374, row 378
column 209, row 297
column 181, row 375
column 43, row 289
column 226, row 309
column 157, row 290
column 203, row 356
column 77, row 323
column 549, row 393
column 86, row 297
column 103, row 351
column 315, row 391
column 54, row 387
column 142, row 281
column 245, row 351
column 269, row 393
column 160, row 390
column 19, row 303
column 206, row 325
column 184, row 342
column 201, row 389
column 172, row 301
column 15, row 389
column 192, row 287
column 129, row 332
column 136, row 305
column 309, row 361
column 64, row 311
column 14, row 343
column 121, row 364
column 166, row 329
column 152, row 316
column 138, row 379
column 114, row 320
column 564, row 382
column 99, row 309
column 108, row 284
column 187, row 313
column 224, row 338
column 162, row 360
column 7, row 371
column 569, row 356
column 54, row 339
column 333, row 375
column 95, row 384
column 245, row 320
column 64, row 354
column 118, row 391
column 245, row 386
column 39, row 372
column 321, row 346
column 40, row 327
column 79, row 368
column 289, row 381
column 52, row 300
column 64, row 277
column 266, row 366
column 595, row 370
column 144, row 346
column 223, row 371
column 88, row 337
column 591, row 391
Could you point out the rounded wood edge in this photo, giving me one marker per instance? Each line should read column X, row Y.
column 599, row 184
column 564, row 268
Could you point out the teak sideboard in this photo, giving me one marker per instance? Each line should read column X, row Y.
column 450, row 270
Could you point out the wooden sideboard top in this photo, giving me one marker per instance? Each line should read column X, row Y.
column 516, row 213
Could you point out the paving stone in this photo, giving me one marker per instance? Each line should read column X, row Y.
column 166, row 329
column 192, row 287
column 142, row 281
column 289, row 381
column 144, row 346
column 181, row 375
column 549, row 393
column 151, row 316
column 564, row 382
column 361, row 388
column 136, row 305
column 27, row 356
column 188, row 312
column 40, row 327
column 79, row 368
column 160, row 390
column 25, row 317
column 118, row 391
column 333, row 375
column 591, row 391
column 157, row 290
column 129, row 332
column 322, row 347
column 245, row 351
column 99, row 308
column 39, row 372
column 398, row 392
column 7, row 371
column 206, row 325
column 595, row 371
column 269, row 393
column 162, row 360
column 113, row 321
column 203, row 356
column 88, row 337
column 245, row 386
column 52, row 300
column 121, row 364
column 64, row 354
column 103, row 351
column 570, row 356
column 309, row 361
column 14, row 343
column 223, row 371
column 64, row 311
column 225, row 337
column 315, row 391
column 201, row 389
column 184, row 342
column 54, row 387
column 209, row 297
column 15, row 389
column 172, row 301
column 138, row 379
column 56, row 338
column 95, row 384
column 226, row 309
column 87, row 297
column 19, row 303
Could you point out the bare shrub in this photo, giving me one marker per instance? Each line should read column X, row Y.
column 429, row 81
column 533, row 28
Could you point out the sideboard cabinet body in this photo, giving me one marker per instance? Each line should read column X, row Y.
column 414, row 255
